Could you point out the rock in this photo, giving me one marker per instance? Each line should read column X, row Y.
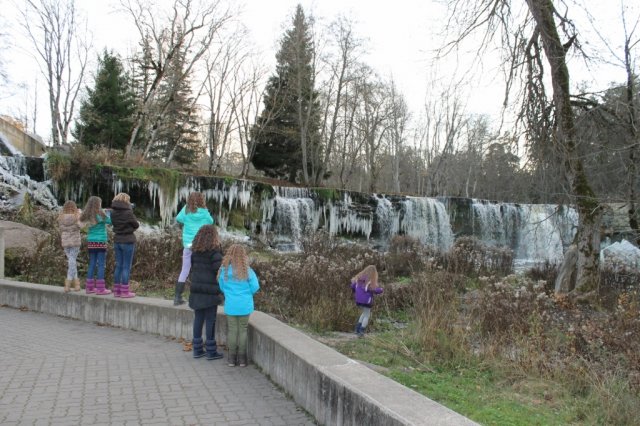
column 17, row 235
column 622, row 255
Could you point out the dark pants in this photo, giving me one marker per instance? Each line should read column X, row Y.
column 124, row 259
column 207, row 317
column 97, row 260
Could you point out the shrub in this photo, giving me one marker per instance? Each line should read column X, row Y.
column 469, row 256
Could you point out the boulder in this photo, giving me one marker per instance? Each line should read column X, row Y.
column 19, row 236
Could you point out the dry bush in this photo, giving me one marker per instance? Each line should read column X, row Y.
column 469, row 256
column 407, row 255
column 507, row 307
column 547, row 272
column 436, row 312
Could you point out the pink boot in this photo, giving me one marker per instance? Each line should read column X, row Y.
column 90, row 286
column 125, row 293
column 117, row 290
column 100, row 288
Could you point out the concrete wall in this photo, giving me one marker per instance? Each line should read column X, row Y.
column 335, row 389
column 27, row 144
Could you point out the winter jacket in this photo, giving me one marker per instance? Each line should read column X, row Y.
column 362, row 295
column 192, row 222
column 205, row 291
column 238, row 294
column 124, row 222
column 98, row 232
column 69, row 230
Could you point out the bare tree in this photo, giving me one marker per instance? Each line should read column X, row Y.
column 529, row 40
column 190, row 29
column 341, row 74
column 399, row 118
column 56, row 32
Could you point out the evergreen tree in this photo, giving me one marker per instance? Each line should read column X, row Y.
column 287, row 133
column 177, row 138
column 106, row 115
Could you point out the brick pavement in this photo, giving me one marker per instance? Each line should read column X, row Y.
column 56, row 371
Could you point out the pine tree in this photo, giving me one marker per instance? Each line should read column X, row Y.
column 177, row 138
column 106, row 115
column 287, row 131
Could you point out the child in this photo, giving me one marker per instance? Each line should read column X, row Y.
column 205, row 295
column 97, row 219
column 364, row 286
column 71, row 242
column 124, row 225
column 192, row 217
column 239, row 283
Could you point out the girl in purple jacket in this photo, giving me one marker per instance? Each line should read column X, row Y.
column 364, row 286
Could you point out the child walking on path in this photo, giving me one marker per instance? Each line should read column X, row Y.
column 192, row 216
column 69, row 224
column 205, row 295
column 239, row 283
column 97, row 219
column 124, row 225
column 364, row 286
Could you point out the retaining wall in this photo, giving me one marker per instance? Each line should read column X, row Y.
column 333, row 388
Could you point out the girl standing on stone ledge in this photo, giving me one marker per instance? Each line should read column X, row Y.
column 364, row 286
column 69, row 224
column 239, row 283
column 205, row 294
column 124, row 225
column 192, row 217
column 97, row 220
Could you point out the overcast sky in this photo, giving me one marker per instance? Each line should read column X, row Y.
column 401, row 36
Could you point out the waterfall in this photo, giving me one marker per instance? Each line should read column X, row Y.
column 295, row 218
column 344, row 218
column 496, row 224
column 13, row 171
column 388, row 219
column 427, row 220
column 546, row 231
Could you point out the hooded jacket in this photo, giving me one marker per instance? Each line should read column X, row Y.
column 238, row 294
column 124, row 222
column 192, row 222
column 69, row 230
column 205, row 291
column 363, row 295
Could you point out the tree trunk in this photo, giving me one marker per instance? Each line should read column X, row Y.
column 588, row 236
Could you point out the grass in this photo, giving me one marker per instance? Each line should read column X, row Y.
column 486, row 394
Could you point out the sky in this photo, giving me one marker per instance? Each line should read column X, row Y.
column 401, row 36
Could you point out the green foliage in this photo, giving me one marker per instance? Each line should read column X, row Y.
column 106, row 115
column 289, row 92
column 327, row 194
column 57, row 165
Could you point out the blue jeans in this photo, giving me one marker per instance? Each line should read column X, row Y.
column 97, row 259
column 124, row 259
column 205, row 317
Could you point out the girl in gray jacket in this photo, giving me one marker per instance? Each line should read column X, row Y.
column 69, row 224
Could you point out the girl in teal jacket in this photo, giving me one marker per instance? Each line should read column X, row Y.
column 239, row 283
column 97, row 220
column 192, row 217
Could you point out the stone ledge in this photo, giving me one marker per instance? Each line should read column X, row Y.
column 335, row 389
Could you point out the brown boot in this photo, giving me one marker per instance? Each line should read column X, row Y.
column 67, row 283
column 76, row 284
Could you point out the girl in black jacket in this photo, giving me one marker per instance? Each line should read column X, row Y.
column 124, row 224
column 205, row 295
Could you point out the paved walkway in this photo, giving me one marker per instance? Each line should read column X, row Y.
column 55, row 371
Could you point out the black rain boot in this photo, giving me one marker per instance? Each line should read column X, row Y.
column 212, row 350
column 196, row 343
column 177, row 299
column 358, row 325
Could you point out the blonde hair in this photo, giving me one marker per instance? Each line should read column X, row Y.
column 69, row 207
column 195, row 200
column 91, row 210
column 123, row 196
column 369, row 274
column 236, row 256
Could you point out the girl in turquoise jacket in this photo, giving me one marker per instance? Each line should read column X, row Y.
column 239, row 283
column 97, row 220
column 192, row 217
